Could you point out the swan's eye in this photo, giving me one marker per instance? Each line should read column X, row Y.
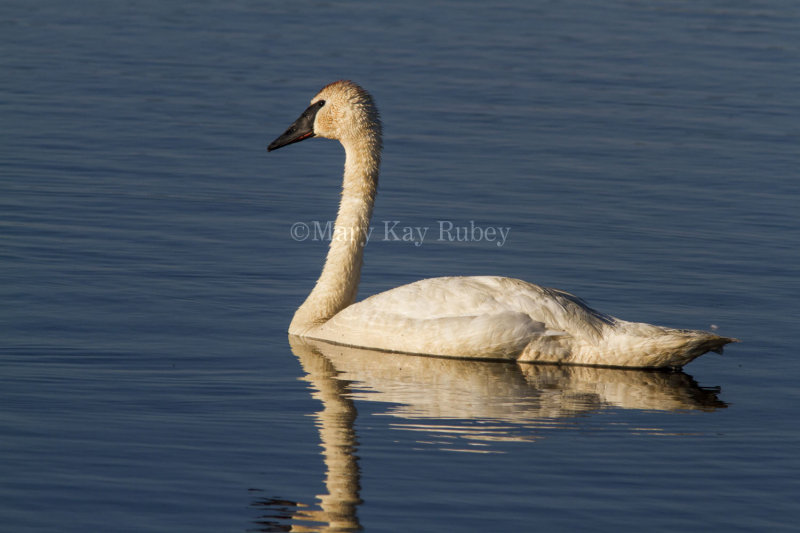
column 312, row 110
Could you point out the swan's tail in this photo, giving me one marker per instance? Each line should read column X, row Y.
column 699, row 342
column 677, row 348
column 651, row 346
column 717, row 344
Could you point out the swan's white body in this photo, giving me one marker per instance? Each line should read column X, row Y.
column 472, row 317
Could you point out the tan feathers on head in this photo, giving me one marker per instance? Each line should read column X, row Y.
column 349, row 113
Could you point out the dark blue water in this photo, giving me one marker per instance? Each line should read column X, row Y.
column 642, row 156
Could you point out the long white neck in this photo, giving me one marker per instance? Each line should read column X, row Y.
column 337, row 286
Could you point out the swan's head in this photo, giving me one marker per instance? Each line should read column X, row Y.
column 342, row 111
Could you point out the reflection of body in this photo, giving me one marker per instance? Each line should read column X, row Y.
column 507, row 402
column 445, row 388
column 474, row 317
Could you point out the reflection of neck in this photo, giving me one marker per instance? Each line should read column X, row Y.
column 336, row 428
column 337, row 286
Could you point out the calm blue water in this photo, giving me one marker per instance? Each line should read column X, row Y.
column 642, row 155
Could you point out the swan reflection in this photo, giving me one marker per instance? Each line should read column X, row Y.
column 464, row 405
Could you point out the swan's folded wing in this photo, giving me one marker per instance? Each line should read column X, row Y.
column 456, row 317
column 493, row 336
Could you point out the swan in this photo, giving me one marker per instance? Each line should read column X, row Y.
column 486, row 317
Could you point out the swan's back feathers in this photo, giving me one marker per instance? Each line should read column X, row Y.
column 476, row 295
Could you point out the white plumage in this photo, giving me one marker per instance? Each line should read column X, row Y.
column 471, row 317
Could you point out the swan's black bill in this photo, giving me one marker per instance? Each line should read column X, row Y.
column 301, row 129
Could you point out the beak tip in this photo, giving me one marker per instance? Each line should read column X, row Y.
column 275, row 144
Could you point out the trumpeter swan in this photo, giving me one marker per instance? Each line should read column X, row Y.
column 471, row 317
